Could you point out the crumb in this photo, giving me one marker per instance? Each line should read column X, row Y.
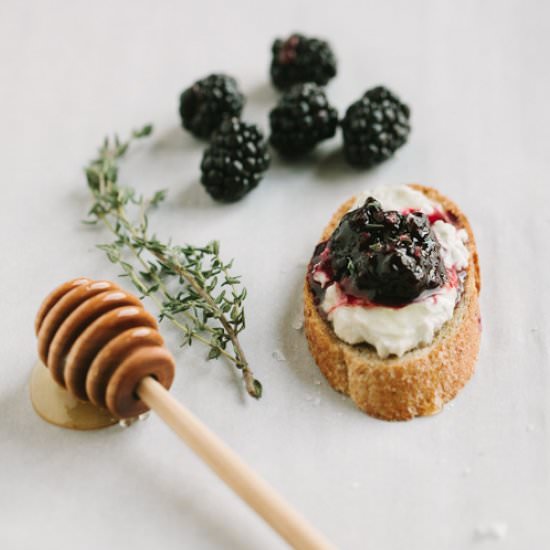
column 298, row 321
column 317, row 401
column 309, row 397
column 467, row 471
column 355, row 485
column 496, row 530
column 530, row 428
column 317, row 382
column 127, row 422
column 278, row 355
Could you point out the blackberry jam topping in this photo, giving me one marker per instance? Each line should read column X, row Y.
column 380, row 256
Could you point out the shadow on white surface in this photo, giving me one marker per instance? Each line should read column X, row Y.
column 263, row 94
column 142, row 483
column 294, row 348
column 210, row 524
column 333, row 169
column 193, row 195
column 176, row 140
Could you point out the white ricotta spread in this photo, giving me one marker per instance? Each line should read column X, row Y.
column 452, row 240
column 394, row 331
column 398, row 198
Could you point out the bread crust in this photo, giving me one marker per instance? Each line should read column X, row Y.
column 420, row 382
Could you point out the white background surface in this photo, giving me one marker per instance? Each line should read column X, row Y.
column 476, row 77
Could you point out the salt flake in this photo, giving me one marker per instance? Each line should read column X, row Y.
column 496, row 530
column 278, row 355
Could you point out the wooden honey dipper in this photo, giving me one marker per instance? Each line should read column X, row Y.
column 100, row 344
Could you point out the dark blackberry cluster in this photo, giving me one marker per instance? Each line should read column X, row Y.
column 374, row 127
column 300, row 59
column 302, row 119
column 206, row 103
column 235, row 161
column 383, row 256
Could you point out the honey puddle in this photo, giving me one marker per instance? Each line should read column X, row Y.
column 57, row 406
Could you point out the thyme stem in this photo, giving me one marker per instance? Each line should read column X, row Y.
column 183, row 281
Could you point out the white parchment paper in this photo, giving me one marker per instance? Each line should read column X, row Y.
column 476, row 77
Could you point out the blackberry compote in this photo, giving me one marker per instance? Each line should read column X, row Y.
column 380, row 257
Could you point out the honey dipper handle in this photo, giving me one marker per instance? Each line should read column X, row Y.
column 256, row 492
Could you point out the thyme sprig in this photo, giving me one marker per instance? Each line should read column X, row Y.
column 192, row 287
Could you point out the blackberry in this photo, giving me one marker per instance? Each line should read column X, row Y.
column 302, row 118
column 300, row 59
column 235, row 161
column 207, row 102
column 374, row 127
column 383, row 256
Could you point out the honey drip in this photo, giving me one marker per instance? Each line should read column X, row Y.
column 57, row 406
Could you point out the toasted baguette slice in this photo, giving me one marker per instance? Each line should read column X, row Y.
column 424, row 379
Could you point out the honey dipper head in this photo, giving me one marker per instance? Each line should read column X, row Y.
column 98, row 342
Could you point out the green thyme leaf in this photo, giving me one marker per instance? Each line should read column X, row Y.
column 187, row 283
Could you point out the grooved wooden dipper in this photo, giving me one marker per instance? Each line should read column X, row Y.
column 100, row 344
